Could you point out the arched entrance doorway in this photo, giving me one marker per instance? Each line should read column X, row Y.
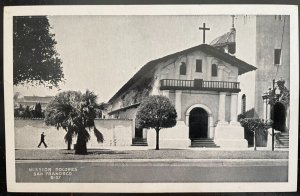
column 198, row 123
column 278, row 115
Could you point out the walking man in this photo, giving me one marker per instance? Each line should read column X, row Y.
column 42, row 140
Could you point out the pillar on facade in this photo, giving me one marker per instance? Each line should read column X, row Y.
column 221, row 113
column 178, row 94
column 265, row 109
column 268, row 112
column 133, row 128
column 233, row 109
column 287, row 121
column 229, row 135
column 145, row 133
column 211, row 133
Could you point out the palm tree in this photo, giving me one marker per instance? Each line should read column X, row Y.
column 75, row 113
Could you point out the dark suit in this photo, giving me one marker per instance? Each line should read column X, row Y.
column 42, row 140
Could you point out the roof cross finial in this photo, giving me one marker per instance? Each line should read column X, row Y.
column 233, row 16
column 204, row 29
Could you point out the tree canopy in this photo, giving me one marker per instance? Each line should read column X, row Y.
column 156, row 112
column 256, row 125
column 75, row 113
column 35, row 59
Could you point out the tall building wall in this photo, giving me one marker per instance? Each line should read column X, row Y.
column 246, row 50
column 272, row 32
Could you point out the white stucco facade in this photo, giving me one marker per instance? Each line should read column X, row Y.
column 214, row 101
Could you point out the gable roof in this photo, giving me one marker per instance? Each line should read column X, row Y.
column 243, row 67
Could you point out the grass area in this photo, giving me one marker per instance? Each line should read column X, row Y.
column 60, row 154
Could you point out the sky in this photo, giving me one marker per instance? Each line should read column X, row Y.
column 101, row 53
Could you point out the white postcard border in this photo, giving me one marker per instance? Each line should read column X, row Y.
column 9, row 12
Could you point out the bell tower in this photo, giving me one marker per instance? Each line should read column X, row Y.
column 226, row 42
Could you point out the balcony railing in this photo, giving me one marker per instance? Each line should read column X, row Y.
column 198, row 84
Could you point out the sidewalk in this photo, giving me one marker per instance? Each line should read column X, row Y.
column 171, row 162
column 126, row 148
column 60, row 154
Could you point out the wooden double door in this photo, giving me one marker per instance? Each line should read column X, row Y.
column 198, row 123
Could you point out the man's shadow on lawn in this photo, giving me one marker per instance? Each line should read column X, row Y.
column 99, row 152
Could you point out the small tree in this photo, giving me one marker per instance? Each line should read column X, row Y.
column 75, row 113
column 27, row 112
column 255, row 125
column 156, row 112
column 38, row 111
column 19, row 112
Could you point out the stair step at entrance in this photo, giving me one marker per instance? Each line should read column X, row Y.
column 139, row 142
column 282, row 140
column 203, row 142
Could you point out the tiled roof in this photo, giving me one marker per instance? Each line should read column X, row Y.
column 243, row 67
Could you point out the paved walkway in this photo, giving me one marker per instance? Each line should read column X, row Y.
column 125, row 148
column 172, row 162
column 60, row 154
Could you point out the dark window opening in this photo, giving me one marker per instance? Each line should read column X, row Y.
column 214, row 70
column 198, row 65
column 277, row 56
column 182, row 69
column 243, row 104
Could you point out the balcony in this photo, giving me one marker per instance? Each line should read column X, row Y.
column 198, row 84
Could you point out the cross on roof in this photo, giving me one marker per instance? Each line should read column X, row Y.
column 233, row 17
column 204, row 29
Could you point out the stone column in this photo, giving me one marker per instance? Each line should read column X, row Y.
column 211, row 130
column 178, row 103
column 287, row 120
column 269, row 137
column 233, row 108
column 232, row 135
column 265, row 109
column 133, row 128
column 268, row 111
column 221, row 115
column 144, row 133
column 166, row 93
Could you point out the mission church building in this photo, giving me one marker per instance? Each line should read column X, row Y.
column 201, row 82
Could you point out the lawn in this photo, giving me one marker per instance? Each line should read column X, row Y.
column 60, row 154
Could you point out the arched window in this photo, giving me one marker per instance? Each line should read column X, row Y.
column 182, row 69
column 214, row 70
column 243, row 104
